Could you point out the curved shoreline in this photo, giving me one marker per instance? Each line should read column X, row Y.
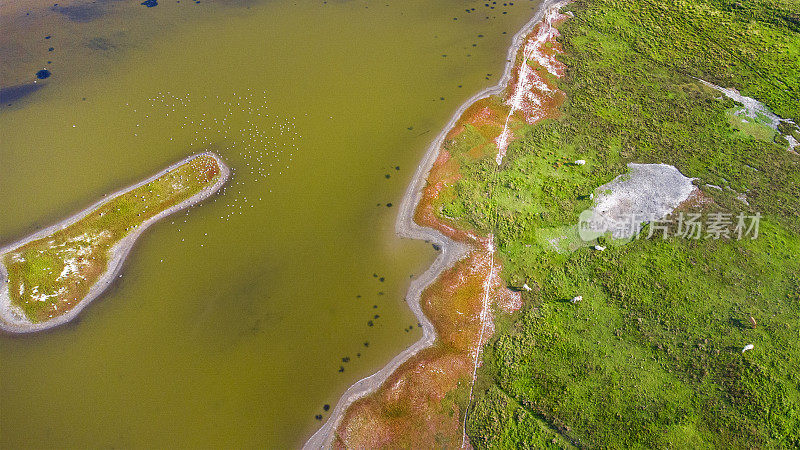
column 12, row 322
column 405, row 226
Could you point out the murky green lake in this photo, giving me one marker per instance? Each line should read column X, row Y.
column 230, row 322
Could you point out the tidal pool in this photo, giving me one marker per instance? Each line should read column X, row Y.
column 234, row 323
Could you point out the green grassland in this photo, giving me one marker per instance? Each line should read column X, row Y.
column 652, row 356
column 50, row 275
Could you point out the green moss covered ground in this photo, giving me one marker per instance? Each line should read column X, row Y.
column 652, row 356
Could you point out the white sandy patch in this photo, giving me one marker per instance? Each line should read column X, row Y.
column 646, row 193
column 530, row 86
column 754, row 109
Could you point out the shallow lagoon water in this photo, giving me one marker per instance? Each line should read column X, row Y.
column 230, row 323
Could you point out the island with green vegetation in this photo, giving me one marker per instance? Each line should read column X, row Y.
column 49, row 277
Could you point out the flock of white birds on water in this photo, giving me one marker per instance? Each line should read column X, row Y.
column 256, row 143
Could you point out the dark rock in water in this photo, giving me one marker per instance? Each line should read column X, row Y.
column 370, row 323
column 150, row 3
column 388, row 205
column 326, row 407
column 42, row 74
column 341, row 369
column 14, row 93
column 318, row 417
column 437, row 247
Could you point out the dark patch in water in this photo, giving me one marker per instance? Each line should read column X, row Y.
column 14, row 93
column 85, row 12
column 100, row 43
column 150, row 3
column 42, row 74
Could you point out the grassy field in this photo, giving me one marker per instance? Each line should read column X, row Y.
column 49, row 276
column 652, row 356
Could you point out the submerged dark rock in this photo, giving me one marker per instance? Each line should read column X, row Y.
column 150, row 3
column 42, row 74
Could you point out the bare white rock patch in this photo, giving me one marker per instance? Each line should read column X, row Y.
column 647, row 192
column 754, row 110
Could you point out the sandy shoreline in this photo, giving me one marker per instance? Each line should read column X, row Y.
column 405, row 226
column 11, row 320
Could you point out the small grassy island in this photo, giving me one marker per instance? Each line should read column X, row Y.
column 47, row 278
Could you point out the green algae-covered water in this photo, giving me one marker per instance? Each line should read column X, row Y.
column 234, row 323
